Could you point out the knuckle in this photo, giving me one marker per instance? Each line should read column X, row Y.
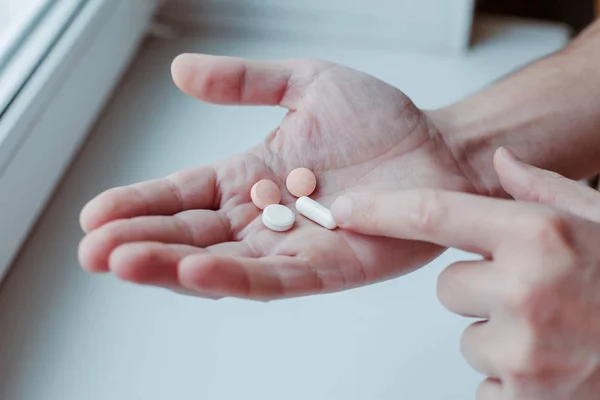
column 550, row 242
column 550, row 233
column 527, row 371
column 519, row 297
column 540, row 313
column 428, row 212
column 527, row 363
column 540, row 370
column 531, row 302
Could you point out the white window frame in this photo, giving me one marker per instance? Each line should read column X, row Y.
column 24, row 60
column 46, row 123
column 12, row 34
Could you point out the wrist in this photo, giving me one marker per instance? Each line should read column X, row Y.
column 472, row 148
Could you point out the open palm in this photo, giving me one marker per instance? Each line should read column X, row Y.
column 198, row 232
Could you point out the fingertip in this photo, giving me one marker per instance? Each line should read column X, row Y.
column 122, row 261
column 93, row 254
column 83, row 222
column 361, row 212
column 183, row 69
column 507, row 154
column 524, row 181
column 86, row 217
column 504, row 156
column 90, row 217
column 341, row 210
column 490, row 388
column 100, row 210
column 513, row 177
column 81, row 255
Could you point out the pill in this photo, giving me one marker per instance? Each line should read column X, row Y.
column 315, row 212
column 301, row 182
column 264, row 193
column 278, row 218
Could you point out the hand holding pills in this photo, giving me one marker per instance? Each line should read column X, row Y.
column 256, row 225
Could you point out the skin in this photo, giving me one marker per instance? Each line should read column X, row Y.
column 197, row 231
column 535, row 288
column 547, row 113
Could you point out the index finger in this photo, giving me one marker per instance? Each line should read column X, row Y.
column 450, row 219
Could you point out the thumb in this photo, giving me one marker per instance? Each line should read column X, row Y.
column 231, row 80
column 528, row 183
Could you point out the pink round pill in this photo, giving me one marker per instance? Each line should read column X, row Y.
column 264, row 193
column 301, row 182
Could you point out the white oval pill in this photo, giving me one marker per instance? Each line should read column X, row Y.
column 315, row 212
column 278, row 218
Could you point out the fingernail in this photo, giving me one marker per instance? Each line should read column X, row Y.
column 341, row 209
column 509, row 154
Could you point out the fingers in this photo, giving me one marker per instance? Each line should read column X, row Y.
column 264, row 278
column 469, row 288
column 150, row 263
column 228, row 80
column 154, row 263
column 200, row 228
column 490, row 389
column 225, row 270
column 195, row 188
column 528, row 183
column 479, row 348
column 449, row 219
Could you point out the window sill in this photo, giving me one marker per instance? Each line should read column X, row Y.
column 44, row 126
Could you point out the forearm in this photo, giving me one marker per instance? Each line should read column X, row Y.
column 547, row 113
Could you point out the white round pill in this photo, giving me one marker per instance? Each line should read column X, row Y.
column 278, row 218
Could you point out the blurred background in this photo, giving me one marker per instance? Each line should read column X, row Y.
column 577, row 14
column 87, row 103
